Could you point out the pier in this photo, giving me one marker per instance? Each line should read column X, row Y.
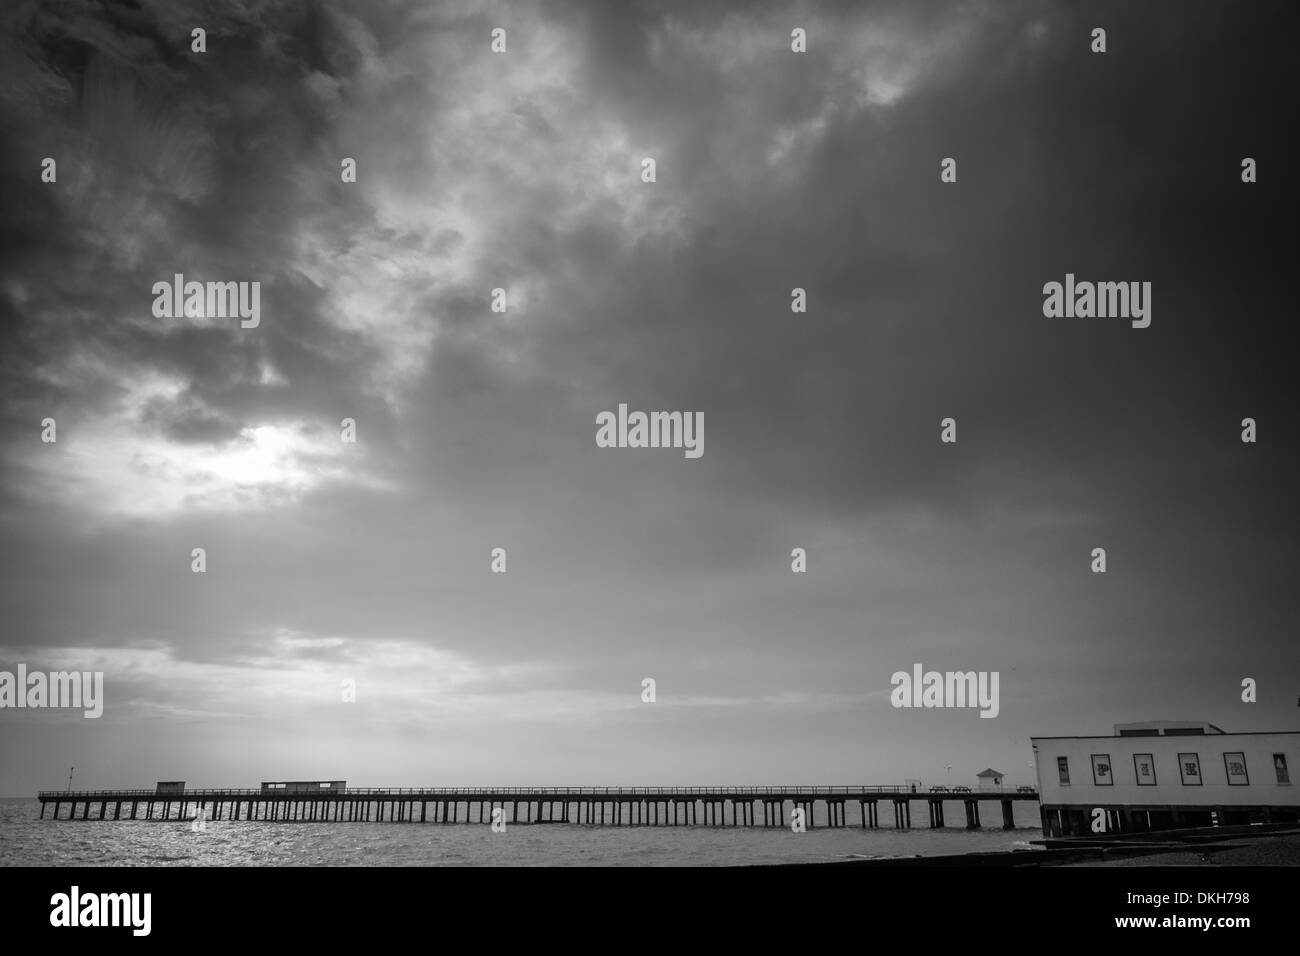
column 768, row 806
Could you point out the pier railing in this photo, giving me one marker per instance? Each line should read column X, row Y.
column 818, row 790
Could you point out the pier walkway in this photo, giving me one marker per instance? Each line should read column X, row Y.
column 766, row 806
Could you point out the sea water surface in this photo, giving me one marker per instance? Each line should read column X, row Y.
column 27, row 840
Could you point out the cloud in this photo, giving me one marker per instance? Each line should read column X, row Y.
column 476, row 429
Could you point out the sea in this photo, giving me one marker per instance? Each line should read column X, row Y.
column 27, row 840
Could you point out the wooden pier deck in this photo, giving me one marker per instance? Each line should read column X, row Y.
column 595, row 806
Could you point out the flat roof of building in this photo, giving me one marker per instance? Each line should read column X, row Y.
column 1203, row 725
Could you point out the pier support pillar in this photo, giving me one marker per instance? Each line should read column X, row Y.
column 1008, row 815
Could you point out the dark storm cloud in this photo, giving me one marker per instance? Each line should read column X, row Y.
column 926, row 302
column 169, row 161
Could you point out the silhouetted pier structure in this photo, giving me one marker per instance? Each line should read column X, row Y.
column 595, row 806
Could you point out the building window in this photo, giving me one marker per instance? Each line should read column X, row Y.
column 1189, row 766
column 1101, row 775
column 1279, row 764
column 1144, row 769
column 1235, row 764
column 1063, row 770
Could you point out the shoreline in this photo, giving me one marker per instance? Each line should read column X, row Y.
column 1220, row 846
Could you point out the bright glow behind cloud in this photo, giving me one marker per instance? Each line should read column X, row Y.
column 117, row 466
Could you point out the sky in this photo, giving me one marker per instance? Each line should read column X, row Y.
column 370, row 562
